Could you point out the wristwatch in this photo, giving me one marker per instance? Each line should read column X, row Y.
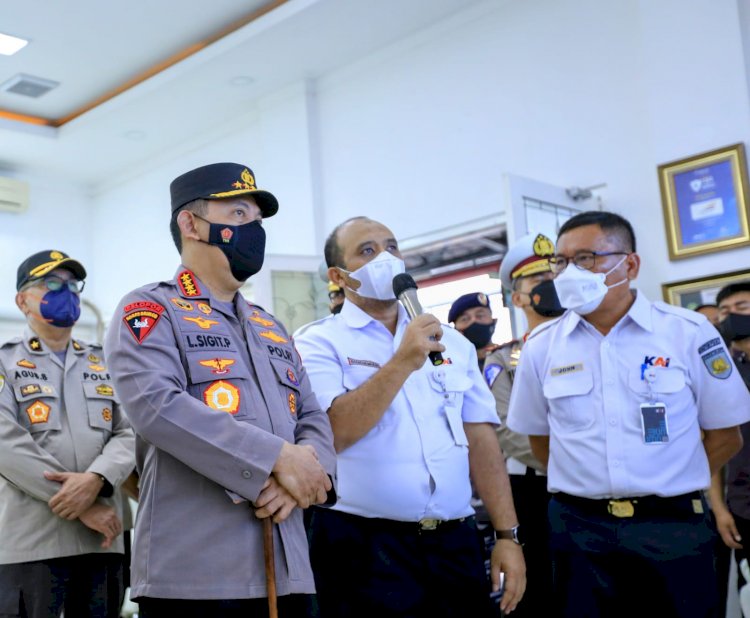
column 514, row 534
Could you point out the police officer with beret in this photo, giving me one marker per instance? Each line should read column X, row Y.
column 223, row 413
column 471, row 315
column 66, row 446
column 632, row 404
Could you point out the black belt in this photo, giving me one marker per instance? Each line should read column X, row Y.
column 640, row 506
column 426, row 525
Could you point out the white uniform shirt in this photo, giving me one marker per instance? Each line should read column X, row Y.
column 414, row 462
column 584, row 390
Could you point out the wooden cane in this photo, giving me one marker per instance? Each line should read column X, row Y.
column 273, row 610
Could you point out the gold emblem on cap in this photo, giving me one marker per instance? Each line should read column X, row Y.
column 56, row 255
column 543, row 246
column 245, row 183
column 482, row 299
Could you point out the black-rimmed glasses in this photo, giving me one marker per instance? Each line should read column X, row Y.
column 585, row 260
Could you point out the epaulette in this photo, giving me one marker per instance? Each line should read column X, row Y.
column 309, row 325
column 541, row 328
column 691, row 316
column 12, row 342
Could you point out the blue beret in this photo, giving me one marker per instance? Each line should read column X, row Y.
column 465, row 302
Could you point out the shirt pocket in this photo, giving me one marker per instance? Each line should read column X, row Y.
column 100, row 404
column 569, row 400
column 289, row 388
column 669, row 386
column 450, row 385
column 220, row 380
column 38, row 406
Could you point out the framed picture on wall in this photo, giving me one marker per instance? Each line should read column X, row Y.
column 705, row 202
column 692, row 293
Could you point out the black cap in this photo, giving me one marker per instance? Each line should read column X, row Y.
column 466, row 302
column 220, row 181
column 44, row 262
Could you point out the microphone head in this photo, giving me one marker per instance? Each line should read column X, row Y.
column 403, row 282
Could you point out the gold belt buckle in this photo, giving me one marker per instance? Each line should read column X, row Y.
column 621, row 508
column 428, row 523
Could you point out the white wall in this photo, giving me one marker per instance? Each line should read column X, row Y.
column 419, row 134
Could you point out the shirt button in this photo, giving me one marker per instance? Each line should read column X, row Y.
column 247, row 474
column 612, row 421
column 616, row 463
column 605, row 344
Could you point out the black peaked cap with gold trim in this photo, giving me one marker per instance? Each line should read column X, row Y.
column 40, row 264
column 220, row 181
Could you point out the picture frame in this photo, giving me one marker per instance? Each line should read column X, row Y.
column 705, row 202
column 691, row 293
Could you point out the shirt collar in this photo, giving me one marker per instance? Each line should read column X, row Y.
column 357, row 318
column 639, row 312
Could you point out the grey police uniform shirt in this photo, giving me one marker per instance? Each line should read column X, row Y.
column 499, row 370
column 212, row 397
column 60, row 418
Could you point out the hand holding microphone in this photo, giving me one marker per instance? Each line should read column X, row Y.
column 423, row 326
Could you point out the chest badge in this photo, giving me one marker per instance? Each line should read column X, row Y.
column 107, row 414
column 93, row 358
column 218, row 365
column 258, row 319
column 292, row 404
column 205, row 308
column 292, row 378
column 105, row 390
column 35, row 344
column 222, row 396
column 26, row 363
column 97, row 367
column 182, row 304
column 275, row 337
column 30, row 389
column 38, row 412
column 202, row 323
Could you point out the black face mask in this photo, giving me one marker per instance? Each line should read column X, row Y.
column 479, row 334
column 244, row 245
column 337, row 308
column 544, row 300
column 734, row 327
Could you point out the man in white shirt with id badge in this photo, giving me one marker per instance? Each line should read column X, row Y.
column 633, row 404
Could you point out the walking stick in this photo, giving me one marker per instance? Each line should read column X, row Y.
column 273, row 611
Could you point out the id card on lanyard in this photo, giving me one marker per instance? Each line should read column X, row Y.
column 653, row 413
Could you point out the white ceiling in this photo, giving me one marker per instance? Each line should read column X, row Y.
column 93, row 47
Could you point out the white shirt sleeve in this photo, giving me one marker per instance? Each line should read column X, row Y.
column 322, row 364
column 528, row 410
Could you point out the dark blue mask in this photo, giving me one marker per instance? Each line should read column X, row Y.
column 244, row 245
column 61, row 308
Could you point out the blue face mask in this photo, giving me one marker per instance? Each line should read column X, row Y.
column 61, row 308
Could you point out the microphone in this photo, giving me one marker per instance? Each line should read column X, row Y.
column 405, row 289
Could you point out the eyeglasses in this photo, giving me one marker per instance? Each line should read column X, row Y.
column 585, row 260
column 53, row 284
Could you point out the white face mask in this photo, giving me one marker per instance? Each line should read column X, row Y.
column 582, row 290
column 377, row 276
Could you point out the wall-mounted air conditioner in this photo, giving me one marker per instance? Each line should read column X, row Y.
column 14, row 195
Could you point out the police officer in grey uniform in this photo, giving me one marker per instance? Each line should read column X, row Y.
column 223, row 414
column 66, row 446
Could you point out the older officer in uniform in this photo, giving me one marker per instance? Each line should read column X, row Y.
column 66, row 446
column 402, row 540
column 223, row 413
column 615, row 396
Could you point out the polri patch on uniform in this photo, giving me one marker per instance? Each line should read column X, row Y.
column 718, row 363
column 491, row 372
column 275, row 337
column 30, row 389
column 205, row 308
column 107, row 414
column 292, row 404
column 202, row 323
column 566, row 369
column 189, row 287
column 222, row 396
column 292, row 377
column 141, row 317
column 218, row 365
column 38, row 412
column 182, row 304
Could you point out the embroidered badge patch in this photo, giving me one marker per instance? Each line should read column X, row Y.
column 258, row 319
column 93, row 358
column 275, row 337
column 182, row 304
column 718, row 363
column 226, row 235
column 97, row 367
column 292, row 404
column 202, row 323
column 711, row 343
column 107, row 414
column 26, row 363
column 35, row 344
column 222, row 396
column 205, row 308
column 30, row 389
column 105, row 390
column 187, row 283
column 141, row 317
column 292, row 377
column 218, row 365
column 491, row 372
column 77, row 346
column 38, row 412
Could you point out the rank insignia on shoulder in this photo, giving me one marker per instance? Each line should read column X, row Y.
column 222, row 396
column 105, row 390
column 141, row 317
column 276, row 338
column 187, row 283
column 30, row 389
column 77, row 346
column 26, row 363
column 38, row 412
column 218, row 365
column 35, row 344
column 107, row 414
column 205, row 308
column 292, row 404
column 258, row 319
column 491, row 372
column 718, row 363
column 182, row 304
column 202, row 323
column 292, row 377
